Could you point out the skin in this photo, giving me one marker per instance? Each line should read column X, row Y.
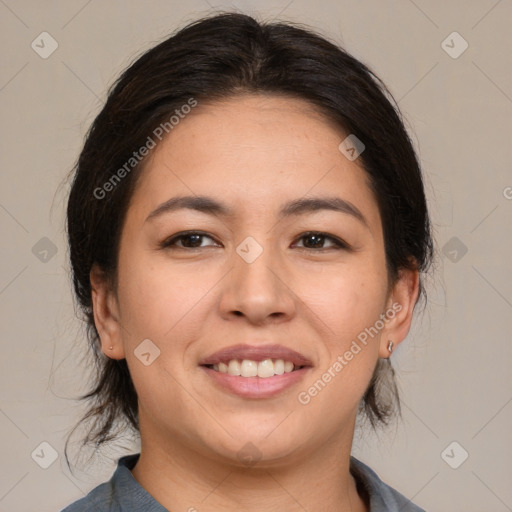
column 254, row 153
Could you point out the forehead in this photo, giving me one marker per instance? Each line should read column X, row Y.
column 258, row 123
column 253, row 150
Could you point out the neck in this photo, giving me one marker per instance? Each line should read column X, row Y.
column 181, row 479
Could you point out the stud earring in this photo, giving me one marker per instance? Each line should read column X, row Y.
column 111, row 347
column 390, row 346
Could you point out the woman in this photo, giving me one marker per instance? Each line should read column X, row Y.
column 247, row 228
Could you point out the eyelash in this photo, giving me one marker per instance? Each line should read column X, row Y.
column 169, row 243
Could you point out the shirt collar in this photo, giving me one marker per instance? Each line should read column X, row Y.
column 128, row 492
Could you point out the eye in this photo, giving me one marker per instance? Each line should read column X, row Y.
column 192, row 240
column 189, row 239
column 317, row 238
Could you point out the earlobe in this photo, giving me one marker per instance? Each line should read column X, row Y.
column 401, row 302
column 106, row 315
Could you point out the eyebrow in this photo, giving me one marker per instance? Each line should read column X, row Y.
column 208, row 205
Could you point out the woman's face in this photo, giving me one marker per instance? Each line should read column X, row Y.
column 253, row 277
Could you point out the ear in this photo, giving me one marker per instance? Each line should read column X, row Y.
column 399, row 310
column 106, row 314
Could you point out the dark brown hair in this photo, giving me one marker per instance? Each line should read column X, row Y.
column 214, row 58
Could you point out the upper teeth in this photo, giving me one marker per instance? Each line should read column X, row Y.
column 249, row 368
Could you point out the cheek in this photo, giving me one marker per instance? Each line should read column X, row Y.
column 347, row 298
column 344, row 314
column 154, row 295
column 165, row 305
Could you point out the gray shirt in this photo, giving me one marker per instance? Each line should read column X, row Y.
column 122, row 493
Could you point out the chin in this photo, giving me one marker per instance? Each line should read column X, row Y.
column 258, row 447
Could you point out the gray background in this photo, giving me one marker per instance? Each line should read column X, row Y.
column 454, row 369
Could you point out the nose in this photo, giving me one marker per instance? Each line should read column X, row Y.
column 259, row 291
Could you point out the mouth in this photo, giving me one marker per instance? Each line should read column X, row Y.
column 255, row 387
column 247, row 368
column 255, row 371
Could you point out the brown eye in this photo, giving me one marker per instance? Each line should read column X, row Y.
column 189, row 240
column 316, row 240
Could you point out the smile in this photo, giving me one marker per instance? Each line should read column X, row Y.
column 254, row 386
column 249, row 368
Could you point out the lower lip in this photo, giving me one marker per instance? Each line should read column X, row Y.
column 256, row 387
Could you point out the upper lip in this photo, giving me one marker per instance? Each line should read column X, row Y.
column 257, row 353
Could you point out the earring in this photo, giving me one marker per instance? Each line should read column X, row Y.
column 111, row 347
column 390, row 346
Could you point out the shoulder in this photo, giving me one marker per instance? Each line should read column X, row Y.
column 111, row 496
column 100, row 499
column 381, row 496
